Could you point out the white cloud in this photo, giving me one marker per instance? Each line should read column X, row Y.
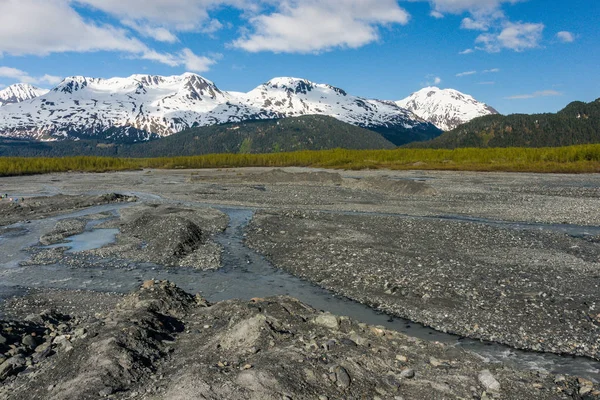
column 54, row 26
column 467, row 73
column 309, row 26
column 475, row 7
column 432, row 80
column 156, row 33
column 185, row 58
column 488, row 16
column 196, row 63
column 471, row 24
column 23, row 77
column 541, row 93
column 179, row 15
column 490, row 71
column 436, row 14
column 514, row 36
column 565, row 37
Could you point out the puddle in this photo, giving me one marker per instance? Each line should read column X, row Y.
column 88, row 240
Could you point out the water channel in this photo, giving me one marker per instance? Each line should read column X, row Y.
column 244, row 274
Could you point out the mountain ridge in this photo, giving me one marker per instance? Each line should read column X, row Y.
column 143, row 107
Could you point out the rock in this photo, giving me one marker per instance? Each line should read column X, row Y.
column 328, row 321
column 488, row 381
column 29, row 341
column 438, row 363
column 148, row 284
column 585, row 390
column 12, row 366
column 6, row 369
column 3, row 340
column 408, row 373
column 401, row 358
column 107, row 391
column 80, row 332
column 342, row 378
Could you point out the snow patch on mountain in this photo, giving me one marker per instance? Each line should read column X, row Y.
column 20, row 92
column 445, row 108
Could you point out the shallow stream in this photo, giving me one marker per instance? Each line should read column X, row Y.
column 244, row 274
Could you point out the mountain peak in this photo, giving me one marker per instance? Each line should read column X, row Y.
column 445, row 108
column 20, row 92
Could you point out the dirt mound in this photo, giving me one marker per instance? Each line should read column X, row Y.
column 162, row 343
column 166, row 235
column 277, row 176
column 395, row 186
column 280, row 176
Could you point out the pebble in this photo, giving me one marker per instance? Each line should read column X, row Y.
column 29, row 341
column 488, row 381
column 328, row 321
column 408, row 373
column 401, row 358
column 342, row 377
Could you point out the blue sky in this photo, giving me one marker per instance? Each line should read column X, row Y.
column 516, row 55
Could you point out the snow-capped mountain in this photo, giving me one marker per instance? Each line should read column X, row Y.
column 294, row 97
column 20, row 92
column 145, row 106
column 135, row 108
column 447, row 108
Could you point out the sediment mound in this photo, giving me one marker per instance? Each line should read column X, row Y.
column 277, row 176
column 395, row 186
column 162, row 343
column 166, row 235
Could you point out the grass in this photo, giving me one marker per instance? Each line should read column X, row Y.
column 571, row 159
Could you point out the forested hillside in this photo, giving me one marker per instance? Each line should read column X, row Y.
column 289, row 134
column 578, row 123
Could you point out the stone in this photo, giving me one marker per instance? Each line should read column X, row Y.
column 585, row 390
column 3, row 340
column 328, row 321
column 401, row 358
column 488, row 381
column 107, row 391
column 148, row 284
column 29, row 341
column 80, row 332
column 438, row 363
column 342, row 377
column 408, row 373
